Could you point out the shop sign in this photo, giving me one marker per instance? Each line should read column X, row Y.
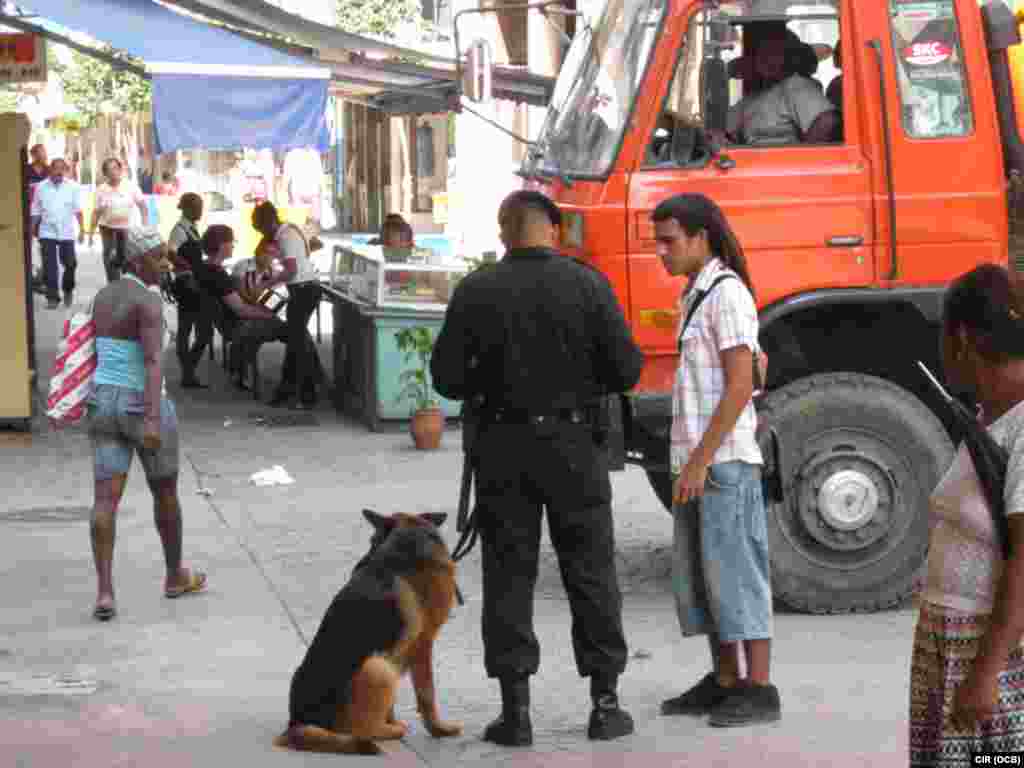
column 927, row 54
column 22, row 58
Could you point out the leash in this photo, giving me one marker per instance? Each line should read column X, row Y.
column 467, row 540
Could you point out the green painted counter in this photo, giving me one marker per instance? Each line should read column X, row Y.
column 367, row 363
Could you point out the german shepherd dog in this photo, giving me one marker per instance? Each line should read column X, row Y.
column 383, row 622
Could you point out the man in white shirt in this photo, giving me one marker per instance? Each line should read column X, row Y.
column 56, row 204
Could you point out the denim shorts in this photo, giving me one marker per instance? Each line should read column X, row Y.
column 720, row 570
column 116, row 428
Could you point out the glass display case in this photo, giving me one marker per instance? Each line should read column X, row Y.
column 411, row 278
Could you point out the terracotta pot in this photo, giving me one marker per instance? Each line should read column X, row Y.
column 426, row 428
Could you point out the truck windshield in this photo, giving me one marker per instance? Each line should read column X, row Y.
column 595, row 91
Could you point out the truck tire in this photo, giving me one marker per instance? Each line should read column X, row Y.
column 860, row 457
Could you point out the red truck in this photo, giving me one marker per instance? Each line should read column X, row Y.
column 851, row 242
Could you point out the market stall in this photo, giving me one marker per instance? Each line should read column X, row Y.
column 375, row 293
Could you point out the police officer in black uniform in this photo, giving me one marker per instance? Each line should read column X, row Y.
column 535, row 342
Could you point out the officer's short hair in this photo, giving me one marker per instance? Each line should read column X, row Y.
column 524, row 199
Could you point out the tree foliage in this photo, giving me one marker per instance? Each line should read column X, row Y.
column 383, row 18
column 93, row 86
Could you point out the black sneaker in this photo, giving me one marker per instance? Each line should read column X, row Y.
column 699, row 700
column 748, row 704
column 608, row 720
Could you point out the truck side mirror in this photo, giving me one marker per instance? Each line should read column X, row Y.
column 478, row 72
column 715, row 88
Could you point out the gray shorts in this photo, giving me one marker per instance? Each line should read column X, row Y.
column 720, row 567
column 116, row 427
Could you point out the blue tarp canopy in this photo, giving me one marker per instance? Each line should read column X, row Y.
column 212, row 88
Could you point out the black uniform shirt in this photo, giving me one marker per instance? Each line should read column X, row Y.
column 547, row 331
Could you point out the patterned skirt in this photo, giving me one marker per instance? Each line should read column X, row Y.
column 945, row 643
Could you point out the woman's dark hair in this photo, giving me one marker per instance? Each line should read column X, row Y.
column 264, row 216
column 696, row 212
column 215, row 236
column 106, row 164
column 987, row 303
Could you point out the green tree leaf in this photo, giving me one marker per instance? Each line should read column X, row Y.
column 91, row 85
column 378, row 17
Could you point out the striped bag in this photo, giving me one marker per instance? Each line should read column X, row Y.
column 73, row 369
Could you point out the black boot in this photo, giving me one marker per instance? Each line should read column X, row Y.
column 513, row 727
column 607, row 720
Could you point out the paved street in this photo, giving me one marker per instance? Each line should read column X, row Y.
column 202, row 681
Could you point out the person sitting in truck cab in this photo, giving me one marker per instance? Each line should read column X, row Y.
column 834, row 92
column 791, row 108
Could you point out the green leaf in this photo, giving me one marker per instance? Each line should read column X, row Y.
column 90, row 84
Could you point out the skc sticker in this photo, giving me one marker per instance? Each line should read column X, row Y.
column 927, row 54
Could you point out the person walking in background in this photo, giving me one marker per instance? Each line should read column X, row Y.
column 720, row 539
column 185, row 288
column 128, row 414
column 534, row 343
column 56, row 206
column 299, row 376
column 167, row 185
column 968, row 661
column 303, row 178
column 38, row 167
column 36, row 171
column 116, row 201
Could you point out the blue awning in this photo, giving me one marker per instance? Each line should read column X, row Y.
column 211, row 88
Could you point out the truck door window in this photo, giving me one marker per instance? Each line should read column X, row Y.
column 929, row 69
column 791, row 107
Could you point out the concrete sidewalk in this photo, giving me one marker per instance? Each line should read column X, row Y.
column 203, row 680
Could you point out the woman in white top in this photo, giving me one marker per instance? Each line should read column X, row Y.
column 968, row 667
column 299, row 377
column 114, row 209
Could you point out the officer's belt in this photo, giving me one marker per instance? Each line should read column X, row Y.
column 523, row 417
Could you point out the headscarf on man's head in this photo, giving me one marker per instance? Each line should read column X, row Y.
column 138, row 241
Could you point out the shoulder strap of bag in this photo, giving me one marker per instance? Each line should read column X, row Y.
column 302, row 234
column 697, row 300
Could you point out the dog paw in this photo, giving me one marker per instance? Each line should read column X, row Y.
column 440, row 729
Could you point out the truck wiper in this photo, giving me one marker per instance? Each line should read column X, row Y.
column 542, row 151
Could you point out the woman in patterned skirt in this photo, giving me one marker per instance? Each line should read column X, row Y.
column 967, row 673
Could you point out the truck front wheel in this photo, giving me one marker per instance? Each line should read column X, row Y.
column 860, row 457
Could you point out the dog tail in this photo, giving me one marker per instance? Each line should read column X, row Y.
column 312, row 738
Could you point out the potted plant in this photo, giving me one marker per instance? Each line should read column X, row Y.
column 427, row 422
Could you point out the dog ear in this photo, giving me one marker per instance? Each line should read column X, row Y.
column 378, row 520
column 435, row 518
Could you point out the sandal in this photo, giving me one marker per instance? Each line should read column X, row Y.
column 196, row 583
column 104, row 612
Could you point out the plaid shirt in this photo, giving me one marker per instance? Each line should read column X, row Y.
column 727, row 318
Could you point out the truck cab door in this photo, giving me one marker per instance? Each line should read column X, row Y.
column 802, row 212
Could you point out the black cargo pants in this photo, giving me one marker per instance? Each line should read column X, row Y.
column 522, row 470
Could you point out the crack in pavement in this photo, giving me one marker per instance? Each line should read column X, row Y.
column 252, row 555
column 275, row 591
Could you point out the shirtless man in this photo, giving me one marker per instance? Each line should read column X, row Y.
column 129, row 414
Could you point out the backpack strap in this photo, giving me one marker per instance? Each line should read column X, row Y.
column 697, row 300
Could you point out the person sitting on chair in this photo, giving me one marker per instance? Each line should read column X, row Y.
column 222, row 307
